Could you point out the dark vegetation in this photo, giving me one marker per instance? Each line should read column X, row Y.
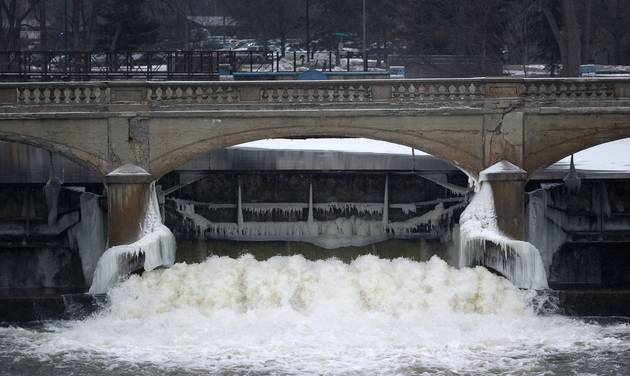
column 553, row 32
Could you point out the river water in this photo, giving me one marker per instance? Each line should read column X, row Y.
column 291, row 316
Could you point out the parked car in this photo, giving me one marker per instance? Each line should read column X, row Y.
column 254, row 54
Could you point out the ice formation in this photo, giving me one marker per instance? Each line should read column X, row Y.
column 453, row 188
column 572, row 181
column 52, row 189
column 482, row 243
column 341, row 232
column 89, row 236
column 544, row 225
column 296, row 208
column 156, row 248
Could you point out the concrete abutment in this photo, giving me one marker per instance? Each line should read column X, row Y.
column 128, row 200
column 508, row 188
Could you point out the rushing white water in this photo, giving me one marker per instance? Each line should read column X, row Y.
column 482, row 243
column 157, row 245
column 369, row 284
column 288, row 315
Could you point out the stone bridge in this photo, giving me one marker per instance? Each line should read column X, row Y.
column 157, row 126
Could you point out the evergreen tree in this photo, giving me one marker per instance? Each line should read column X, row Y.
column 125, row 27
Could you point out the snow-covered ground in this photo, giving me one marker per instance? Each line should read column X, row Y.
column 354, row 145
column 612, row 156
column 542, row 70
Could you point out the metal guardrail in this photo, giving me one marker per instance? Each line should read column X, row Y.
column 45, row 66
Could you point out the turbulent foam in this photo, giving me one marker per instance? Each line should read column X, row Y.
column 290, row 316
column 368, row 284
column 482, row 243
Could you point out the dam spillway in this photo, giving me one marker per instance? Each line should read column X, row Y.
column 335, row 199
column 259, row 279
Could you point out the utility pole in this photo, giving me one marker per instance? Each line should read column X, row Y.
column 308, row 33
column 43, row 30
column 365, row 59
column 65, row 24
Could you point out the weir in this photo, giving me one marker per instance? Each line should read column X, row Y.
column 222, row 197
column 406, row 207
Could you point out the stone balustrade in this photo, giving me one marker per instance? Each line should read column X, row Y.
column 425, row 91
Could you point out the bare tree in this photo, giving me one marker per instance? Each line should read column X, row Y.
column 12, row 15
column 566, row 32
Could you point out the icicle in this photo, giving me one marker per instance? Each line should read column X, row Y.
column 310, row 203
column 239, row 206
column 386, row 203
column 340, row 232
column 572, row 181
column 51, row 192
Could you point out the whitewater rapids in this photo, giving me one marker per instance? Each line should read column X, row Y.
column 368, row 284
column 288, row 315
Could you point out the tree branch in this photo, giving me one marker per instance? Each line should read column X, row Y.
column 5, row 7
column 555, row 29
column 32, row 5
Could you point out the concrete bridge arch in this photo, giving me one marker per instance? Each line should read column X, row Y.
column 83, row 156
column 474, row 123
column 554, row 137
column 201, row 137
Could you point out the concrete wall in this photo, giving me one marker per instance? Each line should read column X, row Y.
column 583, row 234
column 33, row 252
column 25, row 164
column 472, row 123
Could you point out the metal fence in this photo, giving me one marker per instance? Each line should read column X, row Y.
column 161, row 65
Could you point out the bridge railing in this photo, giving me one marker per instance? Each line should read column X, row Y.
column 419, row 91
column 160, row 65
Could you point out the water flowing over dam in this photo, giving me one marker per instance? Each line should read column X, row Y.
column 230, row 315
column 324, row 266
column 314, row 188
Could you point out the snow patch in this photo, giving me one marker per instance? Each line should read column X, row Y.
column 499, row 167
column 129, row 169
column 360, row 145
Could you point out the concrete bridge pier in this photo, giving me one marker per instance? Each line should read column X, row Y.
column 508, row 184
column 128, row 199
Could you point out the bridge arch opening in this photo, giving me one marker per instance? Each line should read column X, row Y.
column 179, row 151
column 577, row 212
column 585, row 138
column 320, row 198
